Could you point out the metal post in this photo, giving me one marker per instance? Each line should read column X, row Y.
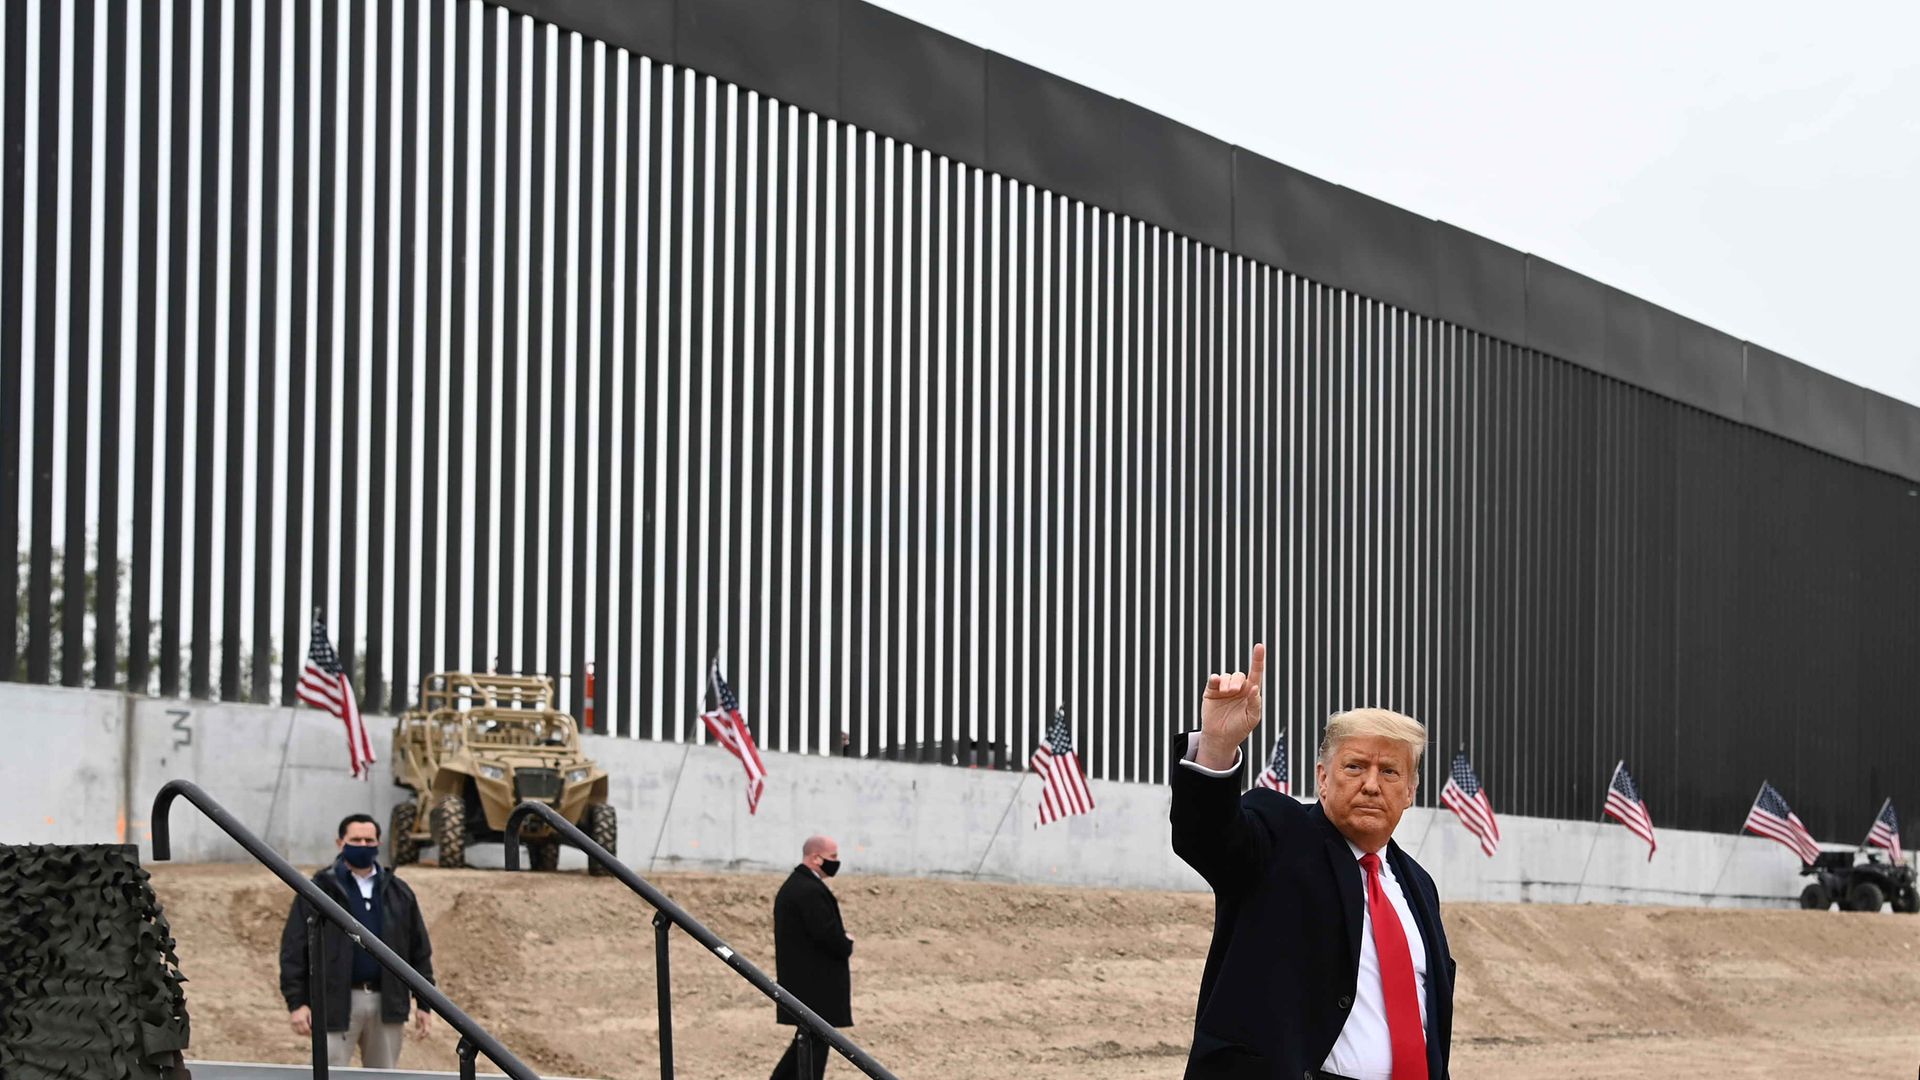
column 468, row 1051
column 803, row 1042
column 317, row 996
column 662, row 926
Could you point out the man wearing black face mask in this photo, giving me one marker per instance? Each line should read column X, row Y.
column 366, row 1005
column 810, row 952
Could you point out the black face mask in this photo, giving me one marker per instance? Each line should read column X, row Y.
column 829, row 867
column 360, row 856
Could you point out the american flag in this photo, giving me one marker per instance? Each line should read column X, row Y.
column 1064, row 791
column 325, row 686
column 1886, row 833
column 1468, row 800
column 1625, row 804
column 730, row 730
column 1274, row 776
column 1771, row 818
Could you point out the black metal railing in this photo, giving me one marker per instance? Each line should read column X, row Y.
column 667, row 915
column 474, row 1039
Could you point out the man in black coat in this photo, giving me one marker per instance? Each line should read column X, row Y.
column 811, row 948
column 366, row 1005
column 1329, row 959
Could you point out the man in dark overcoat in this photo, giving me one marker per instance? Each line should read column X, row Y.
column 811, row 952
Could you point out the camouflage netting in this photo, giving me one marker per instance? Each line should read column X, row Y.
column 89, row 984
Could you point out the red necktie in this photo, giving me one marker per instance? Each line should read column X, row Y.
column 1397, row 982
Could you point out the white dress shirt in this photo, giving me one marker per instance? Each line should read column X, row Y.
column 1364, row 1050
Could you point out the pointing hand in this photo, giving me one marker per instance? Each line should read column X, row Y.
column 1229, row 712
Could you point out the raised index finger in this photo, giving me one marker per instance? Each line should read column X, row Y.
column 1259, row 666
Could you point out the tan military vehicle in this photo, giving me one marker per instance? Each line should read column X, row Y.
column 475, row 748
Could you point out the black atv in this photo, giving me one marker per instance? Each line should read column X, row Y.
column 1862, row 887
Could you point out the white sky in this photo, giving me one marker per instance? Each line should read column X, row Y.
column 1753, row 166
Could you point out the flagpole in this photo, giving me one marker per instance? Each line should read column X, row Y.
column 1581, row 887
column 1735, row 849
column 1421, row 849
column 671, row 792
column 1004, row 815
column 1732, row 850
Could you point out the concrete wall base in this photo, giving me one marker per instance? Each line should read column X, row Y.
column 86, row 765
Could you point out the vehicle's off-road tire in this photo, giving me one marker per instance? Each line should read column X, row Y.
column 1906, row 900
column 402, row 848
column 450, row 831
column 1865, row 896
column 545, row 854
column 1815, row 897
column 601, row 824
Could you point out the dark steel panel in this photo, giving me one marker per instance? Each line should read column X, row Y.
column 238, row 154
column 488, row 604
column 649, row 674
column 1890, row 434
column 460, row 356
column 13, row 426
column 697, row 640
column 634, row 519
column 350, row 548
column 1053, row 133
column 430, row 580
column 1478, row 283
column 209, row 362
column 536, row 354
column 949, row 467
column 506, row 586
column 860, row 543
column 106, row 649
column 1710, row 370
column 789, row 49
column 266, row 583
column 73, row 592
column 547, row 660
column 407, row 433
column 40, row 521
column 912, row 82
column 379, row 538
column 579, row 519
column 320, row 543
column 604, row 589
column 295, row 617
column 843, row 734
column 778, row 310
column 1641, row 341
column 1804, row 404
column 642, row 25
column 1331, row 234
column 1650, row 347
column 1566, row 314
column 892, row 299
column 1175, row 176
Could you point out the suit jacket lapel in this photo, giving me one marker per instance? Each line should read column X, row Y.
column 1423, row 914
column 1417, row 901
column 1346, row 874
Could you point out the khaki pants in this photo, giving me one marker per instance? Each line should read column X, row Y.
column 379, row 1043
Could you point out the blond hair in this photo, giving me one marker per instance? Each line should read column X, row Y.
column 1385, row 723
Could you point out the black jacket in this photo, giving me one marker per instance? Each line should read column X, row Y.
column 1285, row 958
column 811, row 949
column 403, row 930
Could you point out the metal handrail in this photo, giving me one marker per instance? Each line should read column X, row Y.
column 321, row 906
column 667, row 915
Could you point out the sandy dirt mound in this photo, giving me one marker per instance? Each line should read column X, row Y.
column 988, row 981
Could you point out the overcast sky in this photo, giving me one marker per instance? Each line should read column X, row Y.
column 1753, row 166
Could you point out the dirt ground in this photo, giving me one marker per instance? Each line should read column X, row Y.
column 957, row 980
